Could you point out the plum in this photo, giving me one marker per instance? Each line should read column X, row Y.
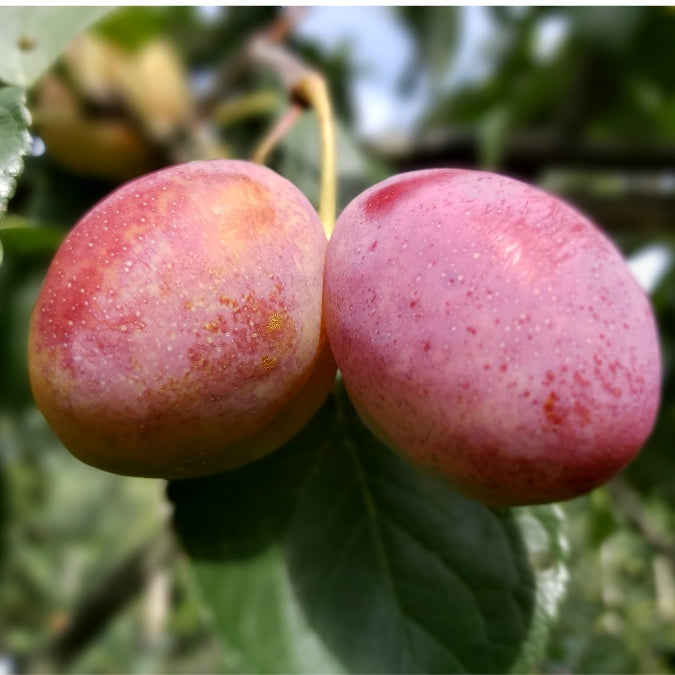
column 179, row 330
column 491, row 333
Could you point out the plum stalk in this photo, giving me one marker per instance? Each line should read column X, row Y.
column 306, row 89
column 314, row 90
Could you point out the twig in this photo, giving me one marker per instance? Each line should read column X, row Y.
column 278, row 131
column 525, row 153
column 233, row 68
column 631, row 508
column 104, row 603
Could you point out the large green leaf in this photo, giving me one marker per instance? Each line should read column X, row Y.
column 14, row 141
column 334, row 554
column 32, row 38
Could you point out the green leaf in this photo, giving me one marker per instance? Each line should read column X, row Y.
column 542, row 529
column 130, row 27
column 32, row 38
column 26, row 239
column 334, row 554
column 15, row 141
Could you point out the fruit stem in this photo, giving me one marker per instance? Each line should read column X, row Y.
column 306, row 88
column 313, row 89
column 280, row 129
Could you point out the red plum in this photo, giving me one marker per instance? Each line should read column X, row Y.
column 179, row 329
column 492, row 333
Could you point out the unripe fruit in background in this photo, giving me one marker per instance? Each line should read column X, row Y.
column 491, row 333
column 179, row 329
column 141, row 99
column 110, row 148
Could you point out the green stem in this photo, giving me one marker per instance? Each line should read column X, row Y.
column 306, row 87
column 313, row 89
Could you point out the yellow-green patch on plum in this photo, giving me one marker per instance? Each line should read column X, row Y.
column 179, row 318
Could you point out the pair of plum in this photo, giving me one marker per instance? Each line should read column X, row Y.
column 192, row 322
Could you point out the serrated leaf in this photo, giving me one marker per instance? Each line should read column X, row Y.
column 542, row 528
column 15, row 140
column 32, row 38
column 334, row 554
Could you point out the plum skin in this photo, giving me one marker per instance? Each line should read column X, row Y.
column 491, row 333
column 179, row 329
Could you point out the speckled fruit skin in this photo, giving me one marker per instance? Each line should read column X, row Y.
column 179, row 328
column 492, row 333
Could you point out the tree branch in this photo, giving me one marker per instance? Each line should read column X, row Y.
column 631, row 508
column 103, row 603
column 528, row 153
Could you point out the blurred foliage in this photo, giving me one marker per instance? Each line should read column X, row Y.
column 435, row 36
column 605, row 74
column 69, row 528
column 559, row 77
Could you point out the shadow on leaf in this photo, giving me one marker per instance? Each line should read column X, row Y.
column 374, row 565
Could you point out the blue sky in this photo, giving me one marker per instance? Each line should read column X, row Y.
column 382, row 48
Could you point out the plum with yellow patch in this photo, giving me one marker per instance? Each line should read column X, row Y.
column 179, row 328
column 492, row 333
